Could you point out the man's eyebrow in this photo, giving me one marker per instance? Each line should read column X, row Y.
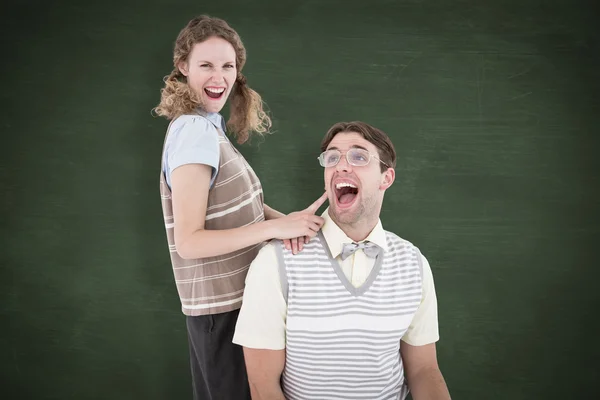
column 356, row 146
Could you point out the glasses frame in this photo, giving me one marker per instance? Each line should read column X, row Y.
column 321, row 157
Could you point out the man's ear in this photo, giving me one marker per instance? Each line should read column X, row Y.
column 388, row 178
column 183, row 67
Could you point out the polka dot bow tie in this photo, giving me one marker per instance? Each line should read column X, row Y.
column 371, row 249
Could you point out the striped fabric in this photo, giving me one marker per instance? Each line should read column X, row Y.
column 343, row 342
column 216, row 284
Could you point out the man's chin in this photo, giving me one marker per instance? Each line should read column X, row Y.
column 344, row 215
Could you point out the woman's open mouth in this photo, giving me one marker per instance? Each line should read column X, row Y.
column 214, row 93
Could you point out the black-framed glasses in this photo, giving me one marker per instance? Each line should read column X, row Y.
column 355, row 156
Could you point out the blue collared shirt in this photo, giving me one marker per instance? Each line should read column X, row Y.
column 193, row 139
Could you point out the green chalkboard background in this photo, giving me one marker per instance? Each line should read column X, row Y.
column 493, row 107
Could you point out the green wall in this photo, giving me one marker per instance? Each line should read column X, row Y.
column 492, row 106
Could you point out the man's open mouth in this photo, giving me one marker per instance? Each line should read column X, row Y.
column 345, row 193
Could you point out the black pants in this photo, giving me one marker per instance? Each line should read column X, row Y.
column 218, row 369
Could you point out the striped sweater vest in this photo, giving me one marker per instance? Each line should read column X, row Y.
column 343, row 342
column 216, row 284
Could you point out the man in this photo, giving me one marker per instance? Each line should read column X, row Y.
column 354, row 315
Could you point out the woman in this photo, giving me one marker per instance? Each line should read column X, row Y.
column 212, row 200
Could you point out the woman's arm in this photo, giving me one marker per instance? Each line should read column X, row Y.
column 189, row 187
column 294, row 244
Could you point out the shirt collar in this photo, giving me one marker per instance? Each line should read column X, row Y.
column 335, row 236
column 214, row 117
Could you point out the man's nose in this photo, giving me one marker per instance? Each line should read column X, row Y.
column 343, row 165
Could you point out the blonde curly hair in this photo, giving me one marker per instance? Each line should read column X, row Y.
column 177, row 98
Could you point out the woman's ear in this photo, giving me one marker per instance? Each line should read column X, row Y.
column 388, row 178
column 183, row 68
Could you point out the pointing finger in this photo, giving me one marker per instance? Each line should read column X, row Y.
column 315, row 206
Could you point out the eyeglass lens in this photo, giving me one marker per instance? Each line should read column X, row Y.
column 356, row 157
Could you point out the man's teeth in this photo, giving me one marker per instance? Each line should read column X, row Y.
column 220, row 90
column 344, row 184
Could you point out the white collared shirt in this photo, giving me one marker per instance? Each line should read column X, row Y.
column 262, row 318
column 358, row 266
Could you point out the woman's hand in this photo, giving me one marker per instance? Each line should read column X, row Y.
column 297, row 228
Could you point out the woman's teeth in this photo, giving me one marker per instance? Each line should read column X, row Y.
column 214, row 93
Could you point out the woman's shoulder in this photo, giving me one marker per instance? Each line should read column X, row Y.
column 192, row 125
column 193, row 122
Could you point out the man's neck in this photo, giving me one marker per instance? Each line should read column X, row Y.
column 359, row 231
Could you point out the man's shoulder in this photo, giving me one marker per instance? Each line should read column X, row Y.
column 265, row 262
column 271, row 253
column 398, row 246
column 268, row 248
column 395, row 241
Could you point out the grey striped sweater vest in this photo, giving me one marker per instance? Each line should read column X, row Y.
column 343, row 342
column 216, row 284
